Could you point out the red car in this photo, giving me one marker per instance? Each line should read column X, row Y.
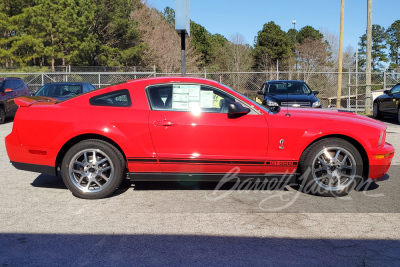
column 175, row 128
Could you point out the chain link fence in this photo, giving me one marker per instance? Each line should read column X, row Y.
column 353, row 88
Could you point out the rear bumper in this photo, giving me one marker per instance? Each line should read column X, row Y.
column 33, row 159
column 50, row 170
column 380, row 159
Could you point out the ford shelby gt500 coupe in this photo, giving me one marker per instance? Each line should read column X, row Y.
column 173, row 128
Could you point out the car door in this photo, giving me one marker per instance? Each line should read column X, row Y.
column 192, row 132
column 394, row 99
column 388, row 103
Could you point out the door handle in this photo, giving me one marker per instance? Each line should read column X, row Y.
column 164, row 123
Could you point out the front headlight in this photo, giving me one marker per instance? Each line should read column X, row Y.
column 316, row 104
column 382, row 138
column 272, row 103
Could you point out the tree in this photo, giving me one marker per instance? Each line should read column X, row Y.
column 393, row 35
column 309, row 32
column 272, row 43
column 311, row 56
column 51, row 30
column 378, row 54
column 218, row 53
column 201, row 43
column 238, row 54
column 161, row 42
column 169, row 15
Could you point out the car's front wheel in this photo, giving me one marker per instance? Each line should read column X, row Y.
column 375, row 111
column 92, row 169
column 398, row 115
column 330, row 167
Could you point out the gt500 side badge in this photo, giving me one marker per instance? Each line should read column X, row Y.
column 282, row 163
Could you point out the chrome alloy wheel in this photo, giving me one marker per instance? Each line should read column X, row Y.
column 91, row 170
column 334, row 168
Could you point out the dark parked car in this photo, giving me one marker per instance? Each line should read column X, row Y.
column 388, row 103
column 62, row 91
column 11, row 88
column 288, row 94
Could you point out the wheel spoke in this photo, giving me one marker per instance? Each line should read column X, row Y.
column 82, row 173
column 327, row 154
column 104, row 177
column 86, row 157
column 79, row 163
column 344, row 159
column 94, row 160
column 337, row 154
column 101, row 161
column 323, row 162
column 323, row 168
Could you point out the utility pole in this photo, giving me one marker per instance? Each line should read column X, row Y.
column 340, row 67
column 368, row 59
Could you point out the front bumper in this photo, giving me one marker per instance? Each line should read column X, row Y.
column 380, row 159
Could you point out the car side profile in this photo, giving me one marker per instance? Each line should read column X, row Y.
column 173, row 128
column 288, row 93
column 388, row 104
column 64, row 90
column 11, row 88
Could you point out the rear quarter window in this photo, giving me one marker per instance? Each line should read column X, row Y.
column 120, row 98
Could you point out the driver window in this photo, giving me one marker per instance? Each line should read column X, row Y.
column 396, row 89
column 189, row 97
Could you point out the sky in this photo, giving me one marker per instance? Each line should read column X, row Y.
column 247, row 17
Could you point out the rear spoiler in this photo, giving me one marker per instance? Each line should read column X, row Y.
column 25, row 101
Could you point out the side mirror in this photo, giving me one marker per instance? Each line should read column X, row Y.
column 235, row 108
column 315, row 92
column 260, row 92
column 8, row 90
column 387, row 92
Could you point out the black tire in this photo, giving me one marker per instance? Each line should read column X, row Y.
column 2, row 115
column 319, row 173
column 93, row 179
column 375, row 111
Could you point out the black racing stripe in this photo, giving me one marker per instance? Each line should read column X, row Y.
column 204, row 161
column 143, row 160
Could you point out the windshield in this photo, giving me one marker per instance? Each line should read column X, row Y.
column 59, row 90
column 287, row 88
column 252, row 101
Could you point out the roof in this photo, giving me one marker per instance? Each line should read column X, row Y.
column 67, row 83
column 287, row 81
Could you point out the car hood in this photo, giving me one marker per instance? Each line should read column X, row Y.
column 291, row 98
column 350, row 118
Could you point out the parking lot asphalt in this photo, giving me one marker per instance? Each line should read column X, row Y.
column 191, row 224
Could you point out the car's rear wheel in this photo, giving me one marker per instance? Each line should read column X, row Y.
column 375, row 111
column 330, row 167
column 2, row 115
column 93, row 169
